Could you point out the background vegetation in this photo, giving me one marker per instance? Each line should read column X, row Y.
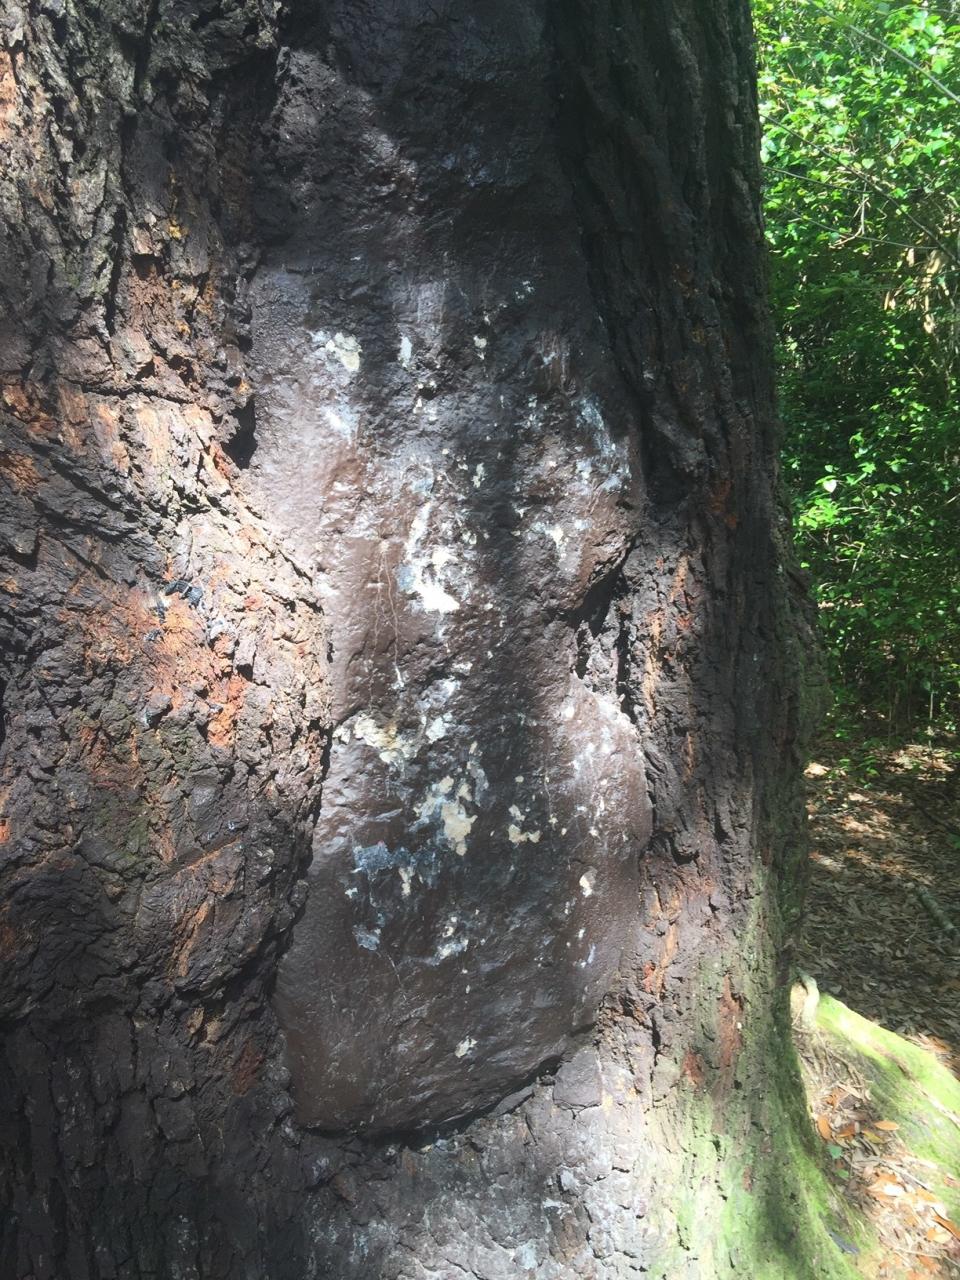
column 861, row 111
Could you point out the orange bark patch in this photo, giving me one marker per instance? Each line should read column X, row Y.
column 221, row 462
column 191, row 896
column 200, row 421
column 113, row 630
column 166, row 849
column 679, row 584
column 222, row 726
column 153, row 436
column 669, row 947
column 730, row 1037
column 718, row 503
column 192, row 927
column 20, row 469
column 9, row 941
column 73, row 404
column 652, row 979
column 25, row 403
column 693, row 1069
column 106, row 427
column 246, row 1069
column 124, row 624
column 8, row 92
column 182, row 636
column 655, row 973
column 87, row 735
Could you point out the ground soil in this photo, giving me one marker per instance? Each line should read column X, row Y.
column 881, row 934
column 885, row 824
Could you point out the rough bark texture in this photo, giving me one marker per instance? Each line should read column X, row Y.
column 400, row 675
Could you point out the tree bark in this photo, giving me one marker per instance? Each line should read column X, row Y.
column 403, row 673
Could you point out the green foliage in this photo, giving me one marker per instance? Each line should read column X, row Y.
column 861, row 109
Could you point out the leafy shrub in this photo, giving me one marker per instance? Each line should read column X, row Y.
column 861, row 109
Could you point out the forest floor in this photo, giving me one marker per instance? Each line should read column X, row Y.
column 882, row 935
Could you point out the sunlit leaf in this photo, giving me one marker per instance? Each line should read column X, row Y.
column 948, row 1225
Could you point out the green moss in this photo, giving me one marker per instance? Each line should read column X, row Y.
column 907, row 1085
column 782, row 1218
column 750, row 1194
column 759, row 1204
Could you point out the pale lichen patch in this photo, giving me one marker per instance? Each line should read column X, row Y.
column 392, row 746
column 516, row 836
column 555, row 532
column 347, row 350
column 455, row 822
column 436, row 729
column 457, row 825
column 414, row 578
column 451, row 948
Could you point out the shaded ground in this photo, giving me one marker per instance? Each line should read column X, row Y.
column 881, row 933
column 883, row 911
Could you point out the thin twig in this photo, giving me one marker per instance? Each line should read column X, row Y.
column 863, row 177
column 845, row 237
column 867, row 35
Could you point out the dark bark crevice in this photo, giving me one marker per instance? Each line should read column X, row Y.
column 241, row 446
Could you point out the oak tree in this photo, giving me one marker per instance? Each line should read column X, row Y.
column 403, row 668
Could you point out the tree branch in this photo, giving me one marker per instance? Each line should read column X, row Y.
column 878, row 40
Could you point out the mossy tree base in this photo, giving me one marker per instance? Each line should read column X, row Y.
column 899, row 1181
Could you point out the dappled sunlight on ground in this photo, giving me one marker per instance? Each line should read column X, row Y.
column 888, row 1116
column 881, row 934
column 883, row 912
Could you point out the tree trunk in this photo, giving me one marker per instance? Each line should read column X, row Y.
column 401, row 675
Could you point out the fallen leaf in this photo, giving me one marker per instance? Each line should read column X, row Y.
column 938, row 1235
column 948, row 1225
column 885, row 1189
column 926, row 1196
column 888, row 1126
column 931, row 1264
column 823, row 1128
